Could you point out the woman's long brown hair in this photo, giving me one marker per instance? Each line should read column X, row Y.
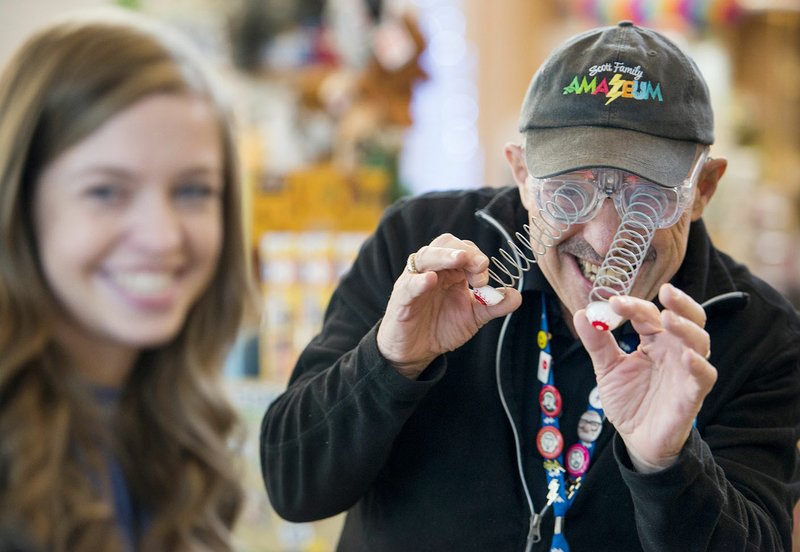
column 172, row 428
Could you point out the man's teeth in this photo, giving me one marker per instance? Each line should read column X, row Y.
column 588, row 269
column 144, row 283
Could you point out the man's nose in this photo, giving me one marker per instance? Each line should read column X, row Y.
column 599, row 232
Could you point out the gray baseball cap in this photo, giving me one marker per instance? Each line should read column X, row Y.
column 623, row 97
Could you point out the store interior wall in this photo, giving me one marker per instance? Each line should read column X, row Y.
column 18, row 18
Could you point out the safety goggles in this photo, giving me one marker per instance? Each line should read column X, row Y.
column 577, row 197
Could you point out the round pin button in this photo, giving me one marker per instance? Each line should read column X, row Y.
column 589, row 426
column 550, row 401
column 549, row 442
column 541, row 339
column 577, row 460
column 594, row 399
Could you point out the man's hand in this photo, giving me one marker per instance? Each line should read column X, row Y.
column 653, row 394
column 432, row 311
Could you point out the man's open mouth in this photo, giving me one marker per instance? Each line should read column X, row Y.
column 588, row 269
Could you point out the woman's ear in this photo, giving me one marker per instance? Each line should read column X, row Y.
column 710, row 174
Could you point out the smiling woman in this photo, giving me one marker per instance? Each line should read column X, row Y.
column 122, row 280
column 129, row 229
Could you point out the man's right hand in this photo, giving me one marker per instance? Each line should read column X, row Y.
column 432, row 311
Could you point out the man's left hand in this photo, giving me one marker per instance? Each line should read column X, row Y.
column 653, row 394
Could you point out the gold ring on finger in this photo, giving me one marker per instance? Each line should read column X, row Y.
column 411, row 266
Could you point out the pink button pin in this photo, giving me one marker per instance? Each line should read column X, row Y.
column 577, row 460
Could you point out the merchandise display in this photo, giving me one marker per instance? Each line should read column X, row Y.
column 298, row 271
column 685, row 14
column 325, row 98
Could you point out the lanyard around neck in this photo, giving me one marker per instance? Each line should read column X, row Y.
column 563, row 482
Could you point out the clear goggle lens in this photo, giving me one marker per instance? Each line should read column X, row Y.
column 577, row 197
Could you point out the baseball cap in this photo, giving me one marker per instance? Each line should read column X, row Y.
column 624, row 97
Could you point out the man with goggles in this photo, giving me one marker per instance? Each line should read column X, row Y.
column 444, row 417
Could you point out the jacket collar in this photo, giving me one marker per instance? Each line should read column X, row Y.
column 702, row 274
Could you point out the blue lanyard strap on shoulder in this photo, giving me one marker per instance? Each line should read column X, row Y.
column 562, row 489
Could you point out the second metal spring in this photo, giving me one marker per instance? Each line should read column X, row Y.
column 629, row 247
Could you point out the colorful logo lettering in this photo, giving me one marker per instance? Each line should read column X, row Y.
column 616, row 87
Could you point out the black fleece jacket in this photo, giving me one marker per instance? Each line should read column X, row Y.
column 448, row 462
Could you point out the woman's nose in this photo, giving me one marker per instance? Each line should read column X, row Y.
column 157, row 225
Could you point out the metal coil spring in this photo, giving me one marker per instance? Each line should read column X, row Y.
column 628, row 248
column 623, row 260
column 555, row 218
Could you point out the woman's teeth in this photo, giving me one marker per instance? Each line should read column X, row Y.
column 144, row 283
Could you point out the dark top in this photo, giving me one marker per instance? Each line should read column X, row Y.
column 448, row 462
column 128, row 511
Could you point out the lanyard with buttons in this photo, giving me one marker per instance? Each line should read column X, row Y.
column 563, row 482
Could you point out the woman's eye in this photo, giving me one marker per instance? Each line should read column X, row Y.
column 105, row 193
column 196, row 191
